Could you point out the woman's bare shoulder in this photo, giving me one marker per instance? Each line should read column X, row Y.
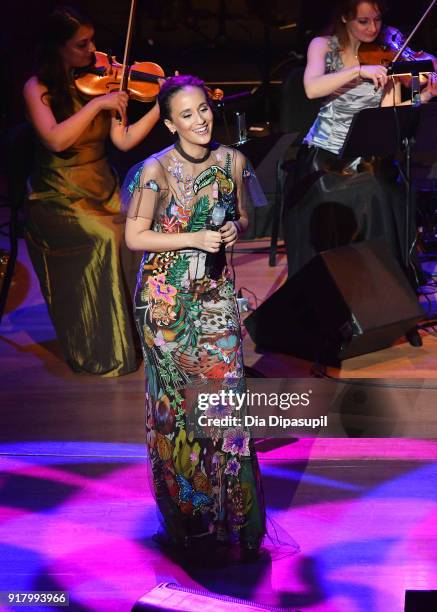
column 33, row 88
column 33, row 84
column 319, row 43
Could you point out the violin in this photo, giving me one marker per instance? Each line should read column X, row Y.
column 106, row 75
column 140, row 80
column 386, row 48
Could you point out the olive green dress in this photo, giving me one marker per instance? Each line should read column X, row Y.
column 75, row 237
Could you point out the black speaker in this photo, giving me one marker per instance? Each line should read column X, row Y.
column 345, row 302
column 420, row 601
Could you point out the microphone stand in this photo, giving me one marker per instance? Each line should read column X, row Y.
column 413, row 69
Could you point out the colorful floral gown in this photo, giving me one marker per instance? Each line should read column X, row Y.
column 188, row 320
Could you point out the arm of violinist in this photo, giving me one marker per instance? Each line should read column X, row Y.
column 318, row 84
column 140, row 237
column 392, row 94
column 55, row 136
column 127, row 137
column 427, row 93
column 60, row 136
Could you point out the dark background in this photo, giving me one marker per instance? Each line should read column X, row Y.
column 234, row 40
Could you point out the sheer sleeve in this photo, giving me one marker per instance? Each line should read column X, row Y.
column 144, row 190
column 249, row 190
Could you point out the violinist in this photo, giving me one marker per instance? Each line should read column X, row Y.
column 333, row 201
column 74, row 228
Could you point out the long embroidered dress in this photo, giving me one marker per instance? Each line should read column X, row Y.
column 188, row 321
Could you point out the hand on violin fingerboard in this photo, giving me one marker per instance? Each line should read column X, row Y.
column 377, row 74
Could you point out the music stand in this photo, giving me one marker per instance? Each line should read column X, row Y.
column 389, row 131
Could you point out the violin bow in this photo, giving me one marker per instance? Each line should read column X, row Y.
column 407, row 40
column 125, row 72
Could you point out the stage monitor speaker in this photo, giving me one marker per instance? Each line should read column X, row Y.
column 420, row 601
column 176, row 598
column 345, row 302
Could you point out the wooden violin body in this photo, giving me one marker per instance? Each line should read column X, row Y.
column 387, row 46
column 106, row 74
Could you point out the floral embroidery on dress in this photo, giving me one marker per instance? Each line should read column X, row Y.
column 190, row 331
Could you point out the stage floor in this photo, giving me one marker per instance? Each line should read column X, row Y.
column 352, row 522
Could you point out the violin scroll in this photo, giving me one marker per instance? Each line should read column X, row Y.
column 215, row 94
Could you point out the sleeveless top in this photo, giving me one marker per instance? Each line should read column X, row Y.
column 81, row 174
column 332, row 123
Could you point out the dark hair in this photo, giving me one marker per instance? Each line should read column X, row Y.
column 172, row 86
column 348, row 9
column 61, row 25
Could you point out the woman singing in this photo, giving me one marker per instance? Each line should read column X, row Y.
column 188, row 203
column 74, row 230
column 335, row 201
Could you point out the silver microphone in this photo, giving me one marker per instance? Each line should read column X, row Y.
column 218, row 215
column 217, row 220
